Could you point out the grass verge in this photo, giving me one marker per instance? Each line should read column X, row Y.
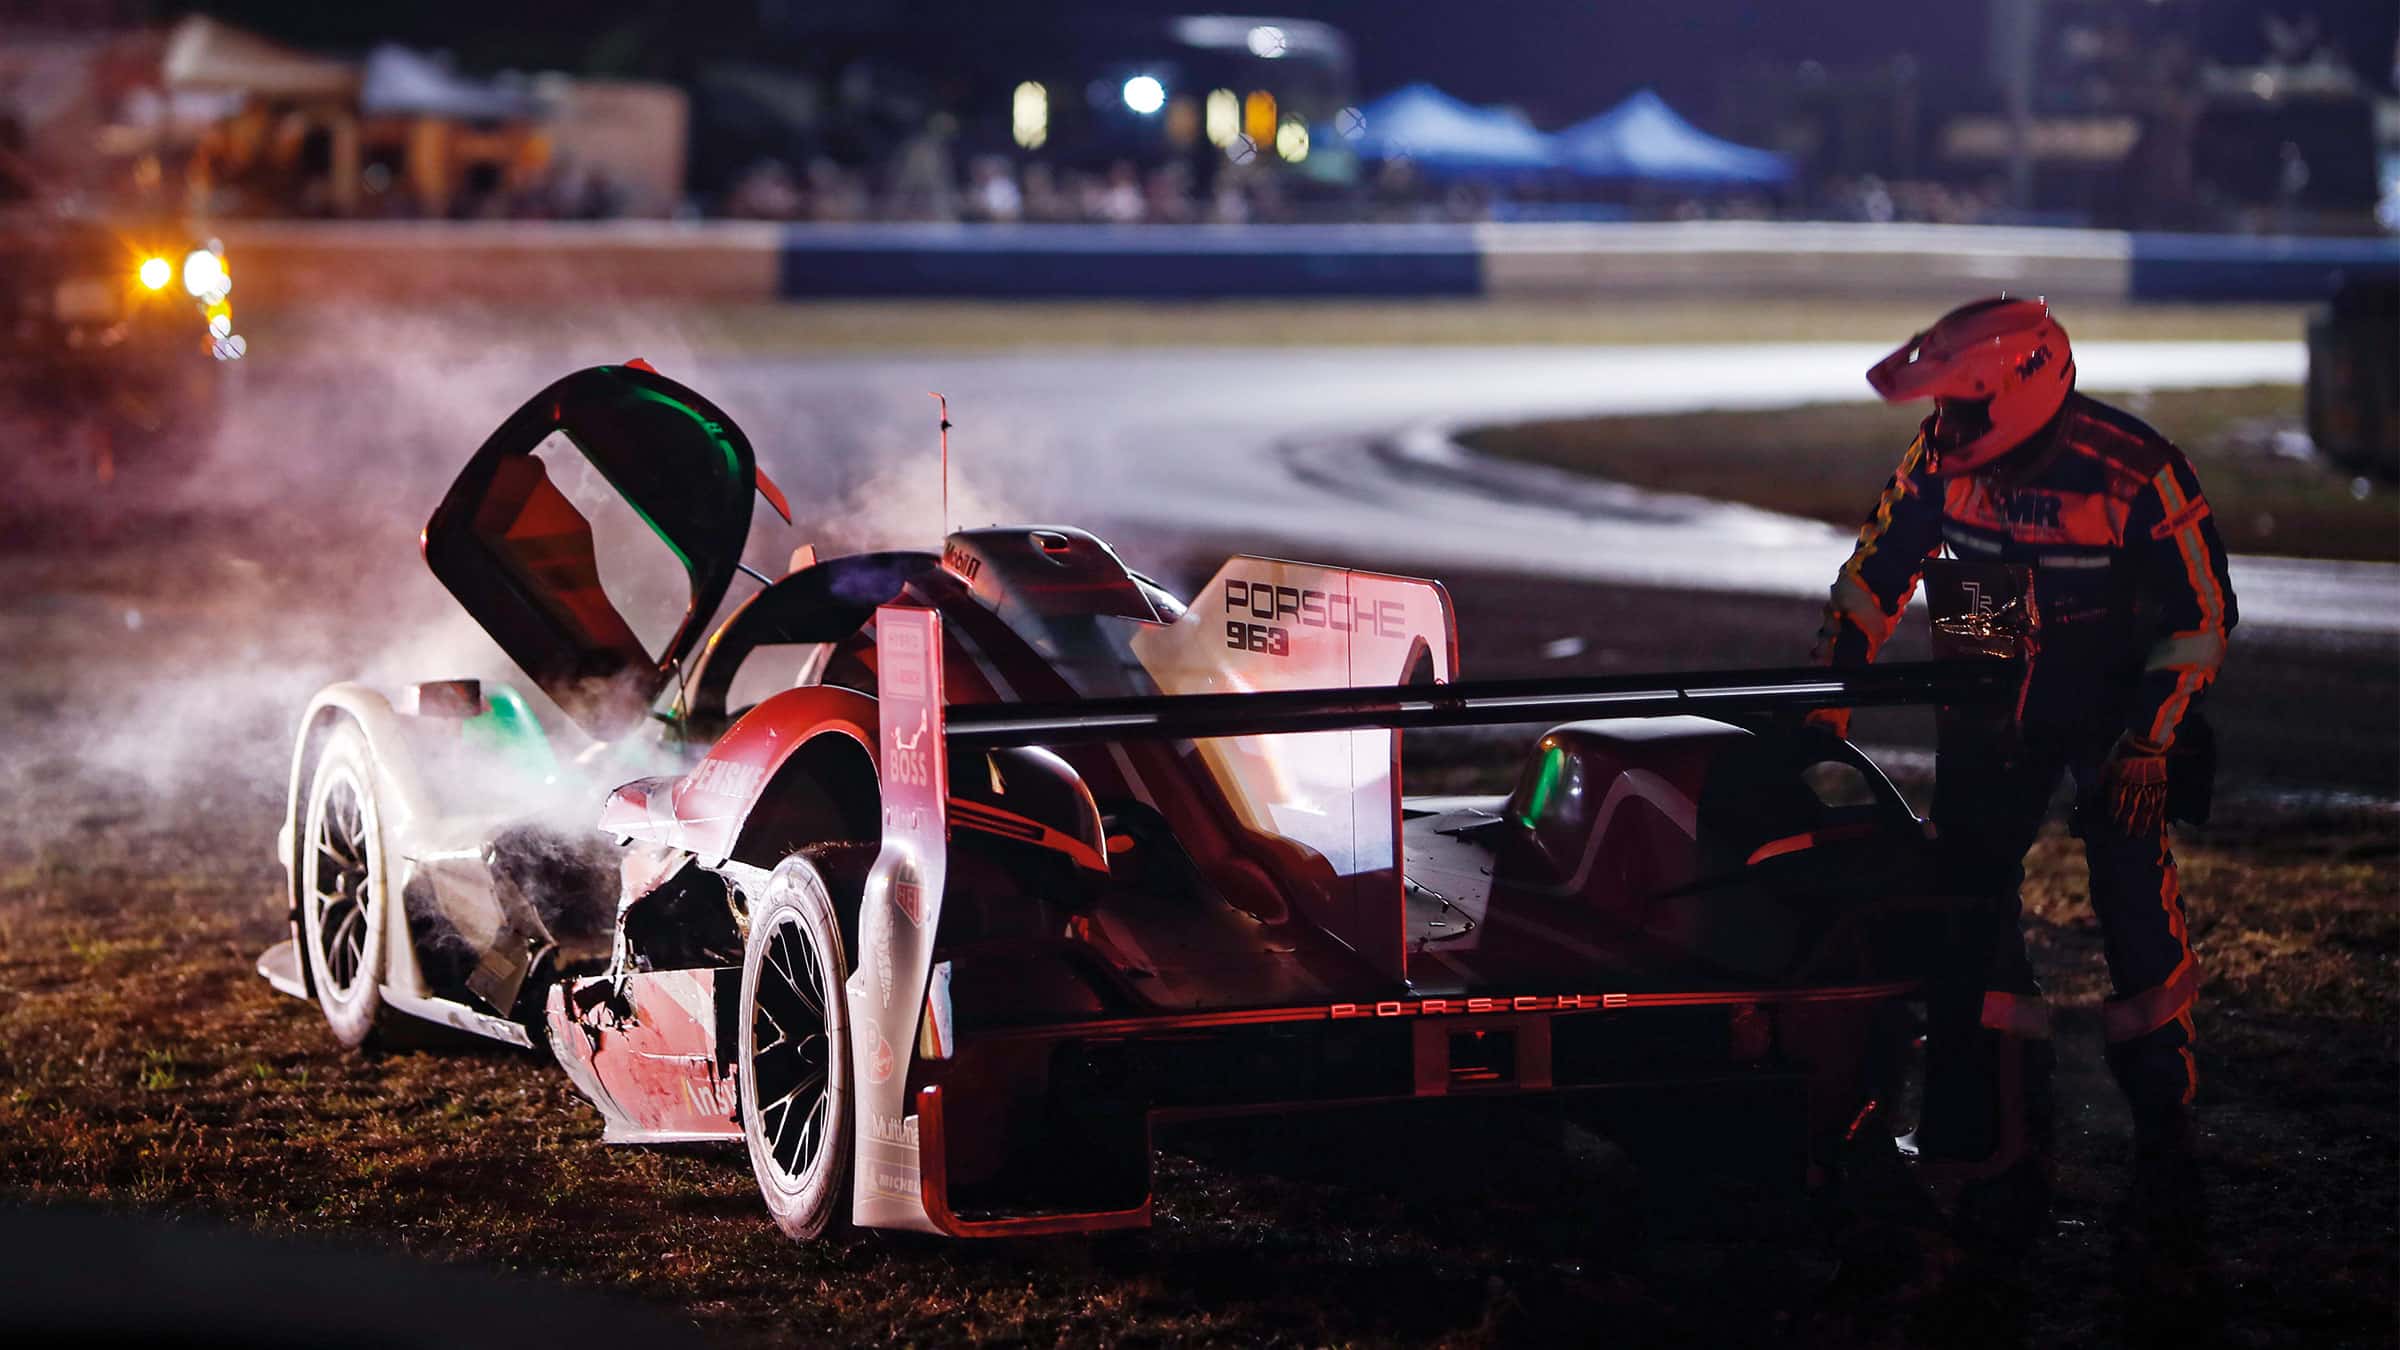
column 1826, row 461
column 144, row 1066
column 148, row 1068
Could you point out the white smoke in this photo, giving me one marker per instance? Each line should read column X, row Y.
column 165, row 643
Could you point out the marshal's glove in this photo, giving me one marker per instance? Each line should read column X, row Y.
column 2134, row 780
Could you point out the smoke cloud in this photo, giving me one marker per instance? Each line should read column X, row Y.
column 165, row 635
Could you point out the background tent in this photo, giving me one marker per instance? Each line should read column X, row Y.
column 203, row 54
column 1443, row 136
column 1645, row 140
column 398, row 80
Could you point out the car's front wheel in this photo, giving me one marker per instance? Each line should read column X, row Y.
column 794, row 1053
column 343, row 887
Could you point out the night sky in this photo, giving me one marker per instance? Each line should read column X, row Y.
column 1559, row 59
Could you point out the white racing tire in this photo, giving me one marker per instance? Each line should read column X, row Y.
column 794, row 1054
column 345, row 900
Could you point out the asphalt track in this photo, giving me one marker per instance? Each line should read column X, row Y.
column 1342, row 455
column 1344, row 451
column 1180, row 456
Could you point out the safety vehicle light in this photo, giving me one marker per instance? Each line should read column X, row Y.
column 204, row 274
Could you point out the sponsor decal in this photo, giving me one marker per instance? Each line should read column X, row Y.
column 890, row 1129
column 2033, row 363
column 893, row 1181
column 2190, row 515
column 2036, row 509
column 878, row 1067
column 726, row 778
column 1474, row 1007
column 710, row 1096
column 901, row 669
column 879, row 958
column 1260, row 616
column 908, row 896
column 960, row 563
column 905, row 757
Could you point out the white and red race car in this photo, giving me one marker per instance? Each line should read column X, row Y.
column 1022, row 852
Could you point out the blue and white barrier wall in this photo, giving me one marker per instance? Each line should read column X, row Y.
column 648, row 260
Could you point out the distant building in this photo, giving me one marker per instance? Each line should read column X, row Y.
column 2175, row 114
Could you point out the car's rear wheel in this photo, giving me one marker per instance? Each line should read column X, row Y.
column 344, row 896
column 794, row 1053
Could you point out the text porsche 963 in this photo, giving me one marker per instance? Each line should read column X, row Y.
column 1031, row 852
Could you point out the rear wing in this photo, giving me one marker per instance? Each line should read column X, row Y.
column 898, row 998
column 1970, row 682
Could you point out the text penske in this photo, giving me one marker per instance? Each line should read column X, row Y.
column 1472, row 1007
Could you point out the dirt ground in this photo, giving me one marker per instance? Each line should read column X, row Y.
column 154, row 669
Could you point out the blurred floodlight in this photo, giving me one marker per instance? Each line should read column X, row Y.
column 204, row 274
column 1145, row 95
column 1258, row 116
column 1268, row 41
column 1351, row 123
column 1183, row 121
column 1029, row 114
column 1291, row 140
column 156, row 273
column 1241, row 150
column 220, row 325
column 1224, row 116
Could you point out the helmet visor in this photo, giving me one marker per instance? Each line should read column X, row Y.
column 1909, row 371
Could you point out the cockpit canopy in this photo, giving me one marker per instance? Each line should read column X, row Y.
column 520, row 558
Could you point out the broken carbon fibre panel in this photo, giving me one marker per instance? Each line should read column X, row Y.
column 649, row 1055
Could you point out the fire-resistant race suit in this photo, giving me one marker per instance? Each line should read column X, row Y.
column 2130, row 582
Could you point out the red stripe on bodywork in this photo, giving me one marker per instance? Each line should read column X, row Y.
column 1009, row 825
column 934, row 1189
column 1797, row 843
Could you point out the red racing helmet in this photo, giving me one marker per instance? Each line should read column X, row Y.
column 1996, row 370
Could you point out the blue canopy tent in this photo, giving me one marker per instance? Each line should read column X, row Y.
column 1444, row 137
column 1644, row 140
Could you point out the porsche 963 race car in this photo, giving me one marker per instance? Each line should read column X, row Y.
column 1025, row 853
